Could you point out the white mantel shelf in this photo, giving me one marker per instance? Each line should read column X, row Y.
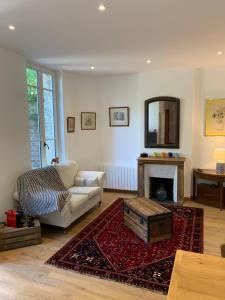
column 177, row 161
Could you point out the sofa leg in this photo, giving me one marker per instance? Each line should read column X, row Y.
column 99, row 203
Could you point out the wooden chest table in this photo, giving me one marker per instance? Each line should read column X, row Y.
column 149, row 220
column 20, row 237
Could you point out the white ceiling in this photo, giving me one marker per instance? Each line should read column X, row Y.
column 74, row 35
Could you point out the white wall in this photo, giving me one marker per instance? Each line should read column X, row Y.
column 80, row 94
column 211, row 85
column 174, row 83
column 14, row 150
column 121, row 146
column 105, row 145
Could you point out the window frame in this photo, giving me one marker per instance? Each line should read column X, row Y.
column 40, row 94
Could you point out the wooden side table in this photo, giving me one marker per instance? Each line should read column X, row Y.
column 13, row 238
column 197, row 276
column 211, row 175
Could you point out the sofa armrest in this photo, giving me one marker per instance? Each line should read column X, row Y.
column 92, row 174
column 15, row 194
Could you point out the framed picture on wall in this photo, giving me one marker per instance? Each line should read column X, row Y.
column 88, row 121
column 118, row 116
column 215, row 117
column 71, row 124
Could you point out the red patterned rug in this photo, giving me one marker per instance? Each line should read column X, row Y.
column 106, row 248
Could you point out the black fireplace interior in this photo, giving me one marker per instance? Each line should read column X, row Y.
column 161, row 189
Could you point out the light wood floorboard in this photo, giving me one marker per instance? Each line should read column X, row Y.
column 23, row 274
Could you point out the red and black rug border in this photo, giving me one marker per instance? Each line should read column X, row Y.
column 57, row 259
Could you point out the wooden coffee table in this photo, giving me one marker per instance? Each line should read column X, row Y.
column 149, row 220
column 197, row 276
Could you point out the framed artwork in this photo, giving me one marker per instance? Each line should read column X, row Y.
column 71, row 124
column 88, row 120
column 215, row 117
column 118, row 116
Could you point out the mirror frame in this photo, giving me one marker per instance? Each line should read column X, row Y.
column 177, row 134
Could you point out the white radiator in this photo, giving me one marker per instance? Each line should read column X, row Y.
column 121, row 178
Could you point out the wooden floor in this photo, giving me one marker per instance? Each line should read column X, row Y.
column 23, row 274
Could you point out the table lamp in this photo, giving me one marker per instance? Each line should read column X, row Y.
column 220, row 161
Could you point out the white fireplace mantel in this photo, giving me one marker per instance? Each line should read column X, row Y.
column 161, row 166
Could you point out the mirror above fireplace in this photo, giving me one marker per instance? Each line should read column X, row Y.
column 162, row 122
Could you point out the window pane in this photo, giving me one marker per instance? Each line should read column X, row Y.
column 32, row 76
column 49, row 115
column 50, row 151
column 41, row 116
column 47, row 81
column 34, row 132
column 32, row 93
column 33, row 111
column 35, row 154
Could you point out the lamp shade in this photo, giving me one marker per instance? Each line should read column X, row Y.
column 220, row 155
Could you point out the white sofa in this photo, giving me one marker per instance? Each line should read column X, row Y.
column 86, row 188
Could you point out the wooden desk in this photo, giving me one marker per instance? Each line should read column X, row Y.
column 197, row 277
column 209, row 175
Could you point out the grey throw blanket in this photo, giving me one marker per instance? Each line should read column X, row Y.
column 41, row 191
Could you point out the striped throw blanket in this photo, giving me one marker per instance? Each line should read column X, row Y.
column 41, row 191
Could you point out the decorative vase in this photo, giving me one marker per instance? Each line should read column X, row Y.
column 161, row 194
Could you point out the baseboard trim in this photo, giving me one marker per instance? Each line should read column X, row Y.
column 134, row 192
column 119, row 191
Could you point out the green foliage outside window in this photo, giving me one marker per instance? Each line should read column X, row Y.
column 32, row 93
column 31, row 77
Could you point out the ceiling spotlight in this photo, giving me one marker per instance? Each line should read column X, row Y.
column 92, row 68
column 11, row 27
column 219, row 52
column 102, row 7
column 148, row 61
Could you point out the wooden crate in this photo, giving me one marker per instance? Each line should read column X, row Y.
column 148, row 219
column 13, row 238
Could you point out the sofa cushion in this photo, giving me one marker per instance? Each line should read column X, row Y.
column 67, row 172
column 76, row 201
column 81, row 181
column 85, row 190
column 93, row 175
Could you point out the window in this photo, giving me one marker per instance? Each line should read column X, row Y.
column 41, row 109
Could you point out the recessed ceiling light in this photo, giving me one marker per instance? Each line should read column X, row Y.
column 102, row 7
column 219, row 52
column 148, row 61
column 92, row 67
column 11, row 27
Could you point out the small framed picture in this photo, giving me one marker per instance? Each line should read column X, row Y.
column 119, row 116
column 71, row 124
column 88, row 121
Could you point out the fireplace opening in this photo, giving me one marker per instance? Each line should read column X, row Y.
column 161, row 189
